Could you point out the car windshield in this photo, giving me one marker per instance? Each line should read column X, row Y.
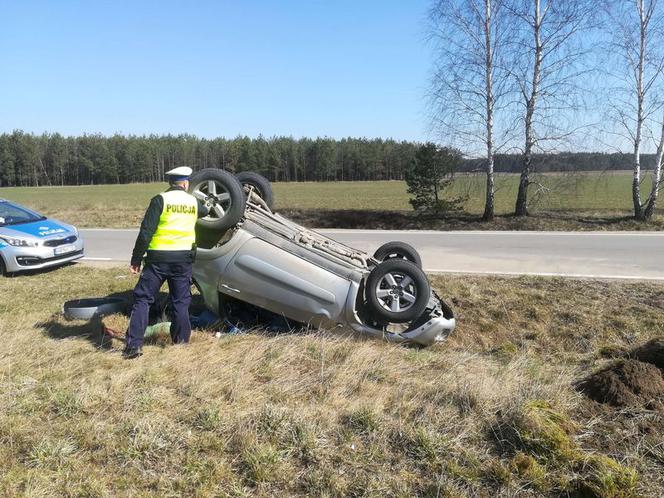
column 11, row 214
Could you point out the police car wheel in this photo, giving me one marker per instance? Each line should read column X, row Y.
column 223, row 193
column 260, row 184
column 3, row 269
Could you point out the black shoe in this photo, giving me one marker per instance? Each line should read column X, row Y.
column 131, row 353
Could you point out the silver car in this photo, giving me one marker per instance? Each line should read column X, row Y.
column 248, row 252
column 30, row 241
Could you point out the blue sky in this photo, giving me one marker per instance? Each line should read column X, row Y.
column 215, row 68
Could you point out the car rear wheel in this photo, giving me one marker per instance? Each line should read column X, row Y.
column 260, row 184
column 223, row 193
column 398, row 250
column 397, row 291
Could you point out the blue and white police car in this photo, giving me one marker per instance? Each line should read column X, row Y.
column 30, row 241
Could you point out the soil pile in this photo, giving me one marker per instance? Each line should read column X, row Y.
column 635, row 382
column 651, row 352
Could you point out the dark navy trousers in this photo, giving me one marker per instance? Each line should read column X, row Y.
column 178, row 276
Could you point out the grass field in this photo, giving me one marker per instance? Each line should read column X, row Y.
column 491, row 412
column 586, row 195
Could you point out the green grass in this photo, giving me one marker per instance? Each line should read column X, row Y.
column 328, row 413
column 123, row 205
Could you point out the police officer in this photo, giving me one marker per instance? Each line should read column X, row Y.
column 167, row 235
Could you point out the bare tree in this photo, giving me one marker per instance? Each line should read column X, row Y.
column 470, row 83
column 546, row 63
column 651, row 202
column 636, row 30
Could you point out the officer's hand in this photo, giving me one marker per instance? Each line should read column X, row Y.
column 135, row 269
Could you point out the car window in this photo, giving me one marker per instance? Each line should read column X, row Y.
column 11, row 214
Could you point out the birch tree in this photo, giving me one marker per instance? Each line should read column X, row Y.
column 469, row 85
column 546, row 64
column 636, row 32
column 651, row 202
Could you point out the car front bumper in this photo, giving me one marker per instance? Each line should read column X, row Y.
column 434, row 330
column 18, row 259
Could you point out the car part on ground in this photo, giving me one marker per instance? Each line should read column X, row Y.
column 397, row 291
column 398, row 250
column 86, row 309
column 271, row 262
column 222, row 193
column 259, row 183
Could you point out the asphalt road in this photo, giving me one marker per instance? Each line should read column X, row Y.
column 620, row 255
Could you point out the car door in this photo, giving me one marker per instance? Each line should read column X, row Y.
column 271, row 277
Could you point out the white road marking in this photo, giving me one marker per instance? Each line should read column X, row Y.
column 613, row 233
column 491, row 232
column 108, row 229
column 498, row 273
column 607, row 251
column 544, row 274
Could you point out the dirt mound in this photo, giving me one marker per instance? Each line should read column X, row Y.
column 651, row 352
column 629, row 383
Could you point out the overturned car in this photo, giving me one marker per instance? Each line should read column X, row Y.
column 249, row 253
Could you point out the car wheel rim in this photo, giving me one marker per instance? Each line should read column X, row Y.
column 396, row 292
column 215, row 195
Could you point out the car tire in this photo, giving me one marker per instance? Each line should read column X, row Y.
column 398, row 250
column 86, row 309
column 388, row 299
column 3, row 268
column 260, row 184
column 227, row 197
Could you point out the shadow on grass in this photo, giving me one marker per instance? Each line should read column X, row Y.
column 57, row 327
column 91, row 331
column 409, row 220
column 252, row 321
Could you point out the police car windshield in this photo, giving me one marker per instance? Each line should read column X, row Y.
column 11, row 214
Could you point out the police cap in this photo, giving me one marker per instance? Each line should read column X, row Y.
column 179, row 173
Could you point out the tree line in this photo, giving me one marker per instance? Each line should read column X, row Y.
column 560, row 162
column 52, row 159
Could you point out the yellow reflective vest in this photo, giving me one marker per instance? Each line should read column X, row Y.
column 175, row 231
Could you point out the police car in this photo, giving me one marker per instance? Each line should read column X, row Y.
column 30, row 241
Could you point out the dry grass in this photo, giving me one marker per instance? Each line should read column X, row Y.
column 491, row 412
column 583, row 201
